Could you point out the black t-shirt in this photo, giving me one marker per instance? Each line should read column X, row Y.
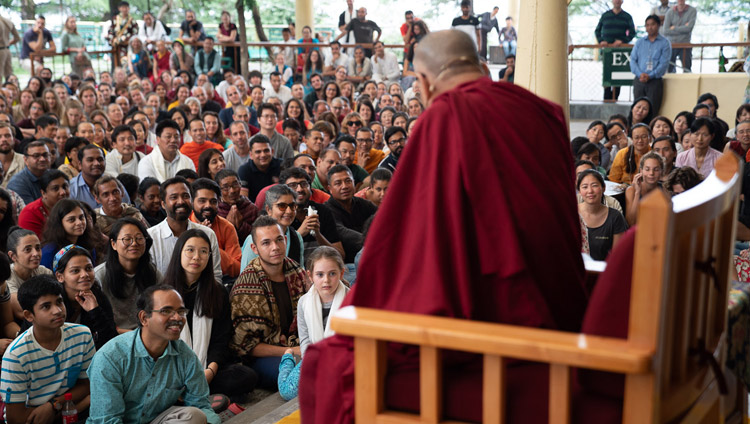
column 362, row 30
column 257, row 180
column 601, row 238
column 195, row 26
column 284, row 302
column 327, row 227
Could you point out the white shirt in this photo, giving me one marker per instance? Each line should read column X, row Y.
column 115, row 167
column 165, row 241
column 284, row 94
column 385, row 69
column 147, row 167
column 233, row 160
column 222, row 90
column 152, row 34
column 343, row 60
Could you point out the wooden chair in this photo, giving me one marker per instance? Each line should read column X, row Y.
column 677, row 323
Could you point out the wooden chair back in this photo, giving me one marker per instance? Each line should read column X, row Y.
column 679, row 294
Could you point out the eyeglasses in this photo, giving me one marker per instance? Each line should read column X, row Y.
column 38, row 156
column 354, row 123
column 168, row 312
column 127, row 241
column 283, row 206
column 303, row 184
column 234, row 185
column 397, row 141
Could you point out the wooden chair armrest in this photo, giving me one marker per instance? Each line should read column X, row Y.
column 509, row 341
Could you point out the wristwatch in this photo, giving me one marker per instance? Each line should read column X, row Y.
column 57, row 406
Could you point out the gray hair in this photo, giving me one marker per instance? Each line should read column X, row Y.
column 274, row 194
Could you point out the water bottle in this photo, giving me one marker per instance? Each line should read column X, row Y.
column 69, row 411
column 722, row 60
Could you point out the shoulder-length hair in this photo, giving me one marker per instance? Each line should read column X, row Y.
column 145, row 274
column 208, row 300
column 203, row 160
column 54, row 232
column 8, row 221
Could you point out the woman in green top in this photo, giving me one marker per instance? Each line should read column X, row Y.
column 75, row 46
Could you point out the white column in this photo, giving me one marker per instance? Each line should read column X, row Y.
column 542, row 57
column 303, row 15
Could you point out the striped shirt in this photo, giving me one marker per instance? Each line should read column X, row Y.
column 33, row 375
column 615, row 26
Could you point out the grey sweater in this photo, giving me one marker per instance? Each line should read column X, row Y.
column 683, row 25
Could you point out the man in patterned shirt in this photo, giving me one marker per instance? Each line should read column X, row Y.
column 123, row 28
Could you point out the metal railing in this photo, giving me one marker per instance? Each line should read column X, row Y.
column 100, row 60
column 585, row 68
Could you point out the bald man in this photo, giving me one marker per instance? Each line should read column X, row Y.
column 483, row 260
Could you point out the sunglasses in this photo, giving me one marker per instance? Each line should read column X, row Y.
column 283, row 206
column 354, row 123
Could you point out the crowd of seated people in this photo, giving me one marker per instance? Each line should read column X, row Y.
column 174, row 199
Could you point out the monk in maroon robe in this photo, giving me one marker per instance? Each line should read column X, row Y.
column 481, row 223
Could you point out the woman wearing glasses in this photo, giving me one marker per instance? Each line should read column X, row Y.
column 209, row 321
column 352, row 122
column 85, row 302
column 128, row 270
column 280, row 206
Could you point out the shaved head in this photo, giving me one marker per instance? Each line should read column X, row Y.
column 445, row 49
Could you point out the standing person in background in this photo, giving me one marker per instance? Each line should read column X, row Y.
column 488, row 21
column 34, row 41
column 509, row 37
column 344, row 18
column 6, row 30
column 75, row 46
column 152, row 31
column 363, row 29
column 228, row 34
column 661, row 11
column 649, row 60
column 191, row 30
column 468, row 23
column 406, row 29
column 615, row 28
column 678, row 27
column 208, row 61
column 123, row 28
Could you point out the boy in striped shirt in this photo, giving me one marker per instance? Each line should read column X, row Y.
column 47, row 360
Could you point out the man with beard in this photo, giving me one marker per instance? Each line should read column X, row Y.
column 236, row 208
column 206, row 195
column 91, row 158
column 327, row 160
column 396, row 139
column 26, row 183
column 109, row 194
column 349, row 212
column 165, row 160
column 176, row 200
column 317, row 228
column 264, row 303
column 150, row 360
column 12, row 162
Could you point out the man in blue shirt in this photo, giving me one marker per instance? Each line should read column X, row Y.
column 26, row 183
column 91, row 158
column 649, row 60
column 140, row 375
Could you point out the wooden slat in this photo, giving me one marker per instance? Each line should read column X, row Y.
column 559, row 394
column 493, row 390
column 369, row 373
column 430, row 384
column 392, row 417
column 640, row 405
column 533, row 344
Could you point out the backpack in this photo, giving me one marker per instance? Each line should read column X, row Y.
column 167, row 29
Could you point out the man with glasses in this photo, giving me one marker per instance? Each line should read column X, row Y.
column 349, row 212
column 206, row 195
column 26, row 183
column 262, row 169
column 176, row 200
column 367, row 157
column 395, row 137
column 141, row 375
column 616, row 138
column 12, row 163
column 282, row 147
column 314, row 221
column 236, row 208
column 109, row 194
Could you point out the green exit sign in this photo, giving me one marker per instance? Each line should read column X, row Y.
column 616, row 67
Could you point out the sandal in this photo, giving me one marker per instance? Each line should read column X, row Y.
column 219, row 402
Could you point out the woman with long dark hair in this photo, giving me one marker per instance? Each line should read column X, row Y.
column 209, row 322
column 313, row 65
column 128, row 270
column 627, row 162
column 210, row 162
column 66, row 224
column 641, row 112
column 215, row 129
column 25, row 251
column 701, row 156
column 85, row 303
column 7, row 218
column 294, row 109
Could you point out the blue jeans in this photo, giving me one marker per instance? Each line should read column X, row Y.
column 509, row 47
column 267, row 369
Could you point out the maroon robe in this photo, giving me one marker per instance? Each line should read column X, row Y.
column 480, row 222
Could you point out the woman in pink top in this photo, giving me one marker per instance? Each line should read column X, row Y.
column 701, row 157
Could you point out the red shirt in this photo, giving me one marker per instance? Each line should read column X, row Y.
column 33, row 217
column 193, row 150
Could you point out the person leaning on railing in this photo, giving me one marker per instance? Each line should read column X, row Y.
column 34, row 41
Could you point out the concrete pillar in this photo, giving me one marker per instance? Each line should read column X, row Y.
column 303, row 15
column 514, row 11
column 542, row 56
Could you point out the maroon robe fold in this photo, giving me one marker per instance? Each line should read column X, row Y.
column 480, row 222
